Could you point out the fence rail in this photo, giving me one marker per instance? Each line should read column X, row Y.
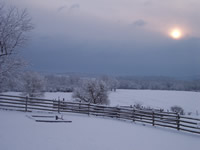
column 152, row 117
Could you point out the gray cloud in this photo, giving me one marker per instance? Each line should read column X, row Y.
column 74, row 6
column 61, row 8
column 139, row 23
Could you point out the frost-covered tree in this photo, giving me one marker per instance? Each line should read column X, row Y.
column 10, row 74
column 34, row 84
column 14, row 26
column 112, row 83
column 92, row 91
column 61, row 83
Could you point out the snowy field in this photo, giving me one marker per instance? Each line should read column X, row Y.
column 18, row 132
column 189, row 101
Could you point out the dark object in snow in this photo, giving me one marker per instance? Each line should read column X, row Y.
column 53, row 121
column 61, row 118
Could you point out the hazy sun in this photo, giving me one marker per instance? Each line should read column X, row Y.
column 176, row 33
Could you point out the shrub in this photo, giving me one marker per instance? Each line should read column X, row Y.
column 138, row 105
column 177, row 109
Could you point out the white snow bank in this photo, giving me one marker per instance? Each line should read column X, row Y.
column 17, row 132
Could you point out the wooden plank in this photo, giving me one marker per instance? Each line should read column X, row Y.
column 24, row 101
column 165, row 122
column 4, row 95
column 166, row 118
column 17, row 100
column 14, row 103
column 2, row 105
column 43, row 116
column 192, row 127
column 188, row 122
column 143, row 121
column 38, row 105
column 40, row 99
column 32, row 108
column 189, row 118
column 167, row 126
column 125, row 117
column 40, row 102
column 187, row 130
column 31, row 98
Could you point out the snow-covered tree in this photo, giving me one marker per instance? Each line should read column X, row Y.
column 34, row 84
column 14, row 26
column 10, row 73
column 92, row 91
column 112, row 82
column 62, row 83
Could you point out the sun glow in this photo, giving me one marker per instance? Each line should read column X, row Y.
column 176, row 33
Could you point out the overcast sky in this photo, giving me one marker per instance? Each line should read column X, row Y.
column 119, row 37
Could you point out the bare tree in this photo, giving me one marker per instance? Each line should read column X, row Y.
column 92, row 91
column 14, row 28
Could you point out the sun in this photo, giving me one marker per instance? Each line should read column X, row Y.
column 176, row 33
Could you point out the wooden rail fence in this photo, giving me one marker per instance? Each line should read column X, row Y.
column 152, row 117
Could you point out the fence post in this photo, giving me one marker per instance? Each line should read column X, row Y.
column 26, row 104
column 118, row 112
column 153, row 118
column 79, row 106
column 63, row 105
column 133, row 115
column 178, row 122
column 88, row 109
column 58, row 105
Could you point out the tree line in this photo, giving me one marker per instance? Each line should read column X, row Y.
column 158, row 83
column 67, row 83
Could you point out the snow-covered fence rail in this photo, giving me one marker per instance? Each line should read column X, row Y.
column 152, row 117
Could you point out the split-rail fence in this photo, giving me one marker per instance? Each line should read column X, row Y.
column 152, row 117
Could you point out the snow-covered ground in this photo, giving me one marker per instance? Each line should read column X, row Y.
column 18, row 132
column 189, row 101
